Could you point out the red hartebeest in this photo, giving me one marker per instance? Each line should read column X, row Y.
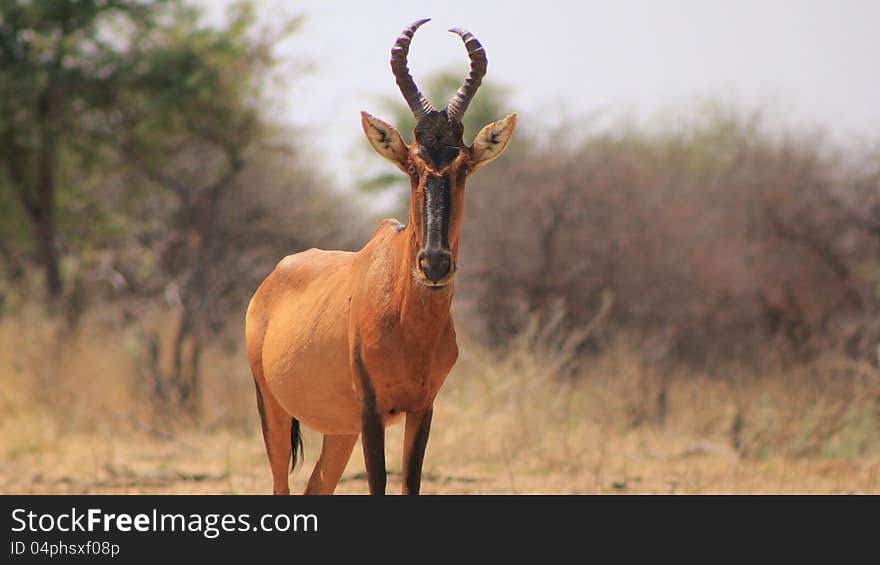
column 347, row 343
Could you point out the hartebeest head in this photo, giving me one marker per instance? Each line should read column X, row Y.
column 438, row 161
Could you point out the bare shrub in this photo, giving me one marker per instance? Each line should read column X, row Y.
column 713, row 239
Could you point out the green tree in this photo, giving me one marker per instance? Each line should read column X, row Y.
column 123, row 127
column 60, row 70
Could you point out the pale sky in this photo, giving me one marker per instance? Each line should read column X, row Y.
column 810, row 63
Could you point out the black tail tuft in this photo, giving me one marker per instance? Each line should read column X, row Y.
column 296, row 443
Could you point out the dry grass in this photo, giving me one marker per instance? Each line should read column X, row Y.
column 500, row 426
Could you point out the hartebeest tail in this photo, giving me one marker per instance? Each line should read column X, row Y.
column 349, row 343
column 296, row 443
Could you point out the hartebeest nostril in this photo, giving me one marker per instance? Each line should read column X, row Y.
column 435, row 264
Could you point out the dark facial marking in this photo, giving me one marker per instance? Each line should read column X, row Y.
column 439, row 139
column 436, row 213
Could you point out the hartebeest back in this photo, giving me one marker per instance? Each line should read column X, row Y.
column 347, row 343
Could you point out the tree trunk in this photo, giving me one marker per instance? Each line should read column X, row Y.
column 37, row 193
column 44, row 234
column 186, row 355
column 38, row 198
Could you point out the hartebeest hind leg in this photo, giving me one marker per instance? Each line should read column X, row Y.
column 276, row 424
column 335, row 453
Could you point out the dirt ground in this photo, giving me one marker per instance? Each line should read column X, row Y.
column 225, row 463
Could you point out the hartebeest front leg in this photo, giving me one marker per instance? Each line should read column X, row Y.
column 373, row 440
column 372, row 427
column 415, row 440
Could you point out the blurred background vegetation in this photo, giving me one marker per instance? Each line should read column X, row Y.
column 147, row 186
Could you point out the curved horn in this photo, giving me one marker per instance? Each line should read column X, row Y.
column 417, row 102
column 459, row 103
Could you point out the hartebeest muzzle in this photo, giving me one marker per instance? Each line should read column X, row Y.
column 436, row 265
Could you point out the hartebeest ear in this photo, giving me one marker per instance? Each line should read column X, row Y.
column 492, row 140
column 385, row 139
